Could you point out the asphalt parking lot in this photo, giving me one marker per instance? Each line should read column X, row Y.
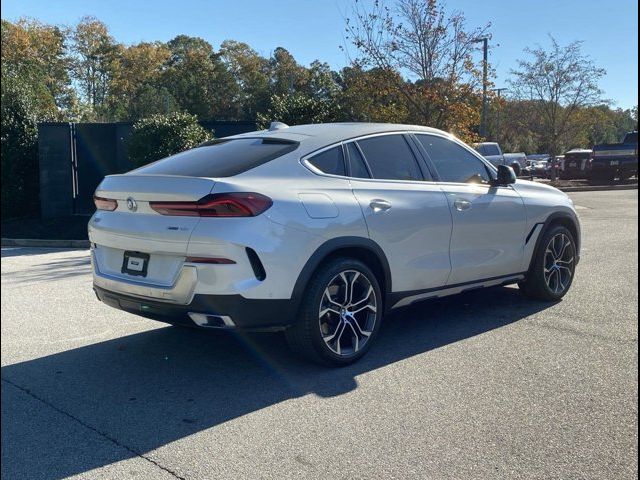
column 484, row 385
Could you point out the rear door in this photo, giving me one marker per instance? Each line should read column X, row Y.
column 406, row 212
column 488, row 222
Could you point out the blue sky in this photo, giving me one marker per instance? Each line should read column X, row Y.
column 313, row 29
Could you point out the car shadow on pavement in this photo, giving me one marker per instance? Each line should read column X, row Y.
column 146, row 390
column 75, row 263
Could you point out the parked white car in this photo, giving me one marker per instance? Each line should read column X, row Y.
column 318, row 230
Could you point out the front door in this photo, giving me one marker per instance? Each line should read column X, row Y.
column 489, row 223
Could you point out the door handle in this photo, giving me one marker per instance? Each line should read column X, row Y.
column 462, row 205
column 379, row 205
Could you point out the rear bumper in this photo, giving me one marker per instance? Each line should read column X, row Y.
column 244, row 313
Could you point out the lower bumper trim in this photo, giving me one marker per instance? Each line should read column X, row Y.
column 232, row 311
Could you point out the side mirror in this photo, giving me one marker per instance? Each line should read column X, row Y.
column 506, row 176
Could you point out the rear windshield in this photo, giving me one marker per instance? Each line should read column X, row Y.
column 224, row 158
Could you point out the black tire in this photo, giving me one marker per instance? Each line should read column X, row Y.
column 517, row 169
column 306, row 338
column 535, row 285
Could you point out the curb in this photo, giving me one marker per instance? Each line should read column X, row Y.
column 598, row 188
column 41, row 242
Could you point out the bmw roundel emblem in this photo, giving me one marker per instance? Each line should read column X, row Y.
column 131, row 204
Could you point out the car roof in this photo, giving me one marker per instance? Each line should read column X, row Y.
column 580, row 150
column 315, row 136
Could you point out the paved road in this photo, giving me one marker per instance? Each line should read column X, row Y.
column 485, row 385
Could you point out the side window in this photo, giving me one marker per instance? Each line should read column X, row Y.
column 330, row 161
column 390, row 158
column 454, row 163
column 356, row 162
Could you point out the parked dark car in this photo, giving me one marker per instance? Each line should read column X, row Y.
column 575, row 163
column 614, row 160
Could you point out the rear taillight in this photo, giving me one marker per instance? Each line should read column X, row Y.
column 108, row 204
column 217, row 205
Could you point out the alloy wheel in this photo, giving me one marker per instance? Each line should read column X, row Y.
column 559, row 263
column 348, row 312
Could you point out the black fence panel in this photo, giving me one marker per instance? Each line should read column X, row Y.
column 55, row 144
column 75, row 157
column 96, row 157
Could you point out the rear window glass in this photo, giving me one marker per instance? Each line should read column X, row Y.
column 224, row 158
column 330, row 161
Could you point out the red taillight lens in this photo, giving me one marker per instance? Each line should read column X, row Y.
column 108, row 204
column 217, row 205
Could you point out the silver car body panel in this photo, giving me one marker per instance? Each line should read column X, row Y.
column 428, row 242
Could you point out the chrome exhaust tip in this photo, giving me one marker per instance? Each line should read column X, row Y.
column 207, row 320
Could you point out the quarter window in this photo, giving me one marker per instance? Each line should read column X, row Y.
column 454, row 163
column 358, row 167
column 330, row 161
column 390, row 158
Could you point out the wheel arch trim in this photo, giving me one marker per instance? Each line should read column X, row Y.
column 557, row 218
column 329, row 248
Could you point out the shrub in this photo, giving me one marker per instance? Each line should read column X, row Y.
column 19, row 140
column 159, row 136
column 298, row 109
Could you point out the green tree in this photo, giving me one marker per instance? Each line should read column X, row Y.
column 159, row 136
column 251, row 72
column 434, row 50
column 198, row 79
column 20, row 113
column 287, row 76
column 371, row 95
column 96, row 53
column 135, row 89
column 559, row 82
column 37, row 54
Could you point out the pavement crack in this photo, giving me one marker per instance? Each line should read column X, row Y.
column 94, row 429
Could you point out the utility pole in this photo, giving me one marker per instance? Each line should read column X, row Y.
column 485, row 82
column 498, row 131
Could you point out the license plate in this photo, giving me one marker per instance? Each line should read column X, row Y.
column 614, row 163
column 573, row 164
column 135, row 263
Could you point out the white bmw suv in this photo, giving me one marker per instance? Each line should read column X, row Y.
column 318, row 230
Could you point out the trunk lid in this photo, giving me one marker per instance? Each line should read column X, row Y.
column 135, row 227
